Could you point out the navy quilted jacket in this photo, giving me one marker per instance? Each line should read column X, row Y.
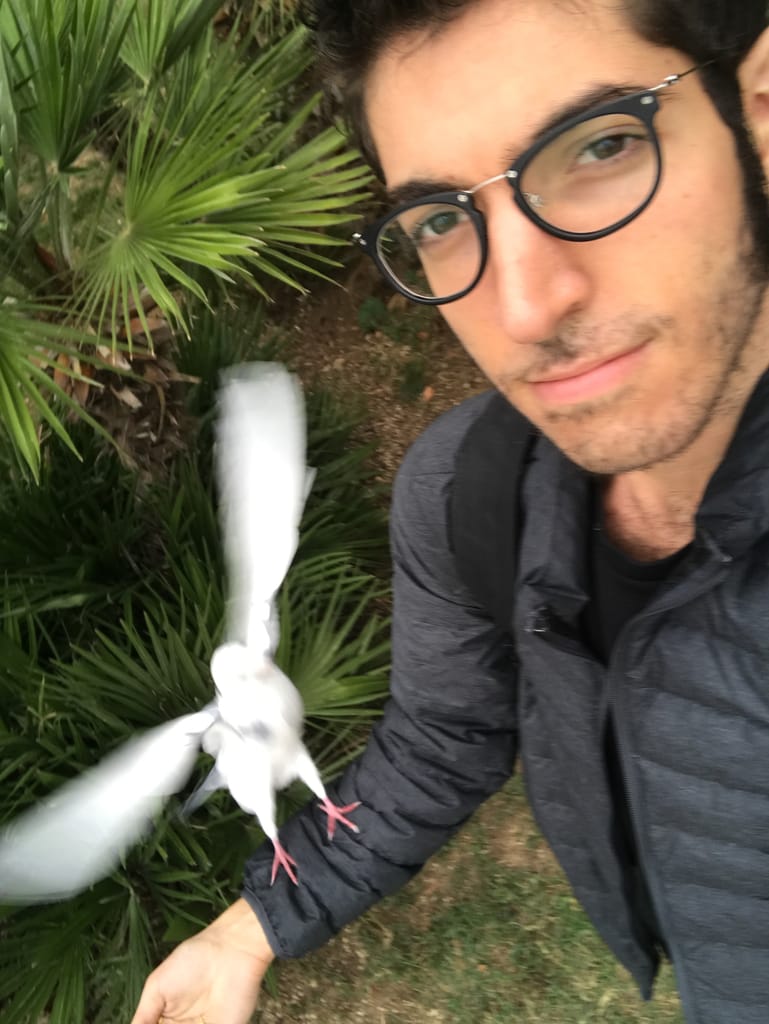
column 688, row 684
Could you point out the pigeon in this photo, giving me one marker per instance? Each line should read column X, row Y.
column 253, row 726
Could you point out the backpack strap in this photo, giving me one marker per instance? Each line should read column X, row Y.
column 485, row 512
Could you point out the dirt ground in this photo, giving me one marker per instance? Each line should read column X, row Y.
column 369, row 345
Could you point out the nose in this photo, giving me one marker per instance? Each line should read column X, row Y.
column 533, row 281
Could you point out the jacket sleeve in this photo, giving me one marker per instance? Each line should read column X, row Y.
column 446, row 741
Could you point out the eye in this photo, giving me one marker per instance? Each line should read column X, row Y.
column 437, row 225
column 609, row 147
column 256, row 731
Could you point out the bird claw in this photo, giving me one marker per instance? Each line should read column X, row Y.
column 282, row 859
column 337, row 814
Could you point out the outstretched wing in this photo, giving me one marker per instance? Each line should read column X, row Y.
column 263, row 482
column 80, row 834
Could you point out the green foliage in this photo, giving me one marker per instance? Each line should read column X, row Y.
column 373, row 315
column 143, row 153
column 413, row 378
column 29, row 346
column 112, row 605
column 404, row 326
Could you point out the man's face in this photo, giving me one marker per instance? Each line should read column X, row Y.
column 621, row 350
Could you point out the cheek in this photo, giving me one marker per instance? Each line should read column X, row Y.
column 700, row 204
column 472, row 321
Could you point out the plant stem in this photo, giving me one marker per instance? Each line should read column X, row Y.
column 60, row 213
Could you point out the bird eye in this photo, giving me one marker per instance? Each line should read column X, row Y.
column 256, row 731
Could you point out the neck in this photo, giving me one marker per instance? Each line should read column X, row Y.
column 650, row 513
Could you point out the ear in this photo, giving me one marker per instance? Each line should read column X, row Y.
column 754, row 83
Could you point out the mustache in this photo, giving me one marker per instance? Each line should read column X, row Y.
column 578, row 342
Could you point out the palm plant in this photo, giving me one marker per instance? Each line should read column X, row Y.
column 268, row 20
column 147, row 159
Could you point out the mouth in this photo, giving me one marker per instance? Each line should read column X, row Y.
column 591, row 380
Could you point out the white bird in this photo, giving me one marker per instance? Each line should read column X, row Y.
column 253, row 726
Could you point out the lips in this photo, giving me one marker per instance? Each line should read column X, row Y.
column 570, row 372
column 577, row 384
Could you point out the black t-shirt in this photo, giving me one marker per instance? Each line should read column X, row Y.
column 620, row 587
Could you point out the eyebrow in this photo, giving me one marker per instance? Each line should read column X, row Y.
column 418, row 188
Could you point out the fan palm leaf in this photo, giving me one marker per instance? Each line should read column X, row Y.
column 210, row 171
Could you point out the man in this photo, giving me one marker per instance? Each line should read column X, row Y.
column 580, row 187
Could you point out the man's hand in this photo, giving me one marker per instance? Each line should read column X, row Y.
column 212, row 978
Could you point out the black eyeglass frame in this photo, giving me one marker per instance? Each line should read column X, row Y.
column 643, row 105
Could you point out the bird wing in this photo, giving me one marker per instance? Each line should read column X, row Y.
column 80, row 834
column 263, row 482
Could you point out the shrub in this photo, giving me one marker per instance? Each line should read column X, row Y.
column 147, row 157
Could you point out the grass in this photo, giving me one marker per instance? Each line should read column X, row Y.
column 488, row 934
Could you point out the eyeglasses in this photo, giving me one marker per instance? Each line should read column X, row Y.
column 583, row 180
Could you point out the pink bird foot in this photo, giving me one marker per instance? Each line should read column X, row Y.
column 337, row 814
column 282, row 859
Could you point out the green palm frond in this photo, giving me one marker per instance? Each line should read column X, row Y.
column 159, row 34
column 82, row 41
column 29, row 397
column 333, row 646
column 203, row 189
column 9, row 140
column 62, row 68
column 268, row 20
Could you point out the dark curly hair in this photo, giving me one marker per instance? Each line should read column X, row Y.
column 350, row 34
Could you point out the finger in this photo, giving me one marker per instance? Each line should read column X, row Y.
column 150, row 1008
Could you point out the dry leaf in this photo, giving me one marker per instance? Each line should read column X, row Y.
column 154, row 375
column 127, row 397
column 60, row 377
column 114, row 357
column 154, row 322
column 80, row 391
column 397, row 303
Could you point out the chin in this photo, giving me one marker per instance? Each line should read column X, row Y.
column 626, row 450
column 619, row 433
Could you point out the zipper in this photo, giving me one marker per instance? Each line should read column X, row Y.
column 619, row 664
column 544, row 624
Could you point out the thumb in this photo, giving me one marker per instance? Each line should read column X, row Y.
column 150, row 1008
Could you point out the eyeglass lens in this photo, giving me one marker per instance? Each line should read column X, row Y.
column 586, row 180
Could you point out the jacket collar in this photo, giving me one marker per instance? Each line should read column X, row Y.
column 734, row 512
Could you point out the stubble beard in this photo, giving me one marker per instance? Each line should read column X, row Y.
column 734, row 309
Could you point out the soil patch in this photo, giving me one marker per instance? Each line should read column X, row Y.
column 397, row 361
